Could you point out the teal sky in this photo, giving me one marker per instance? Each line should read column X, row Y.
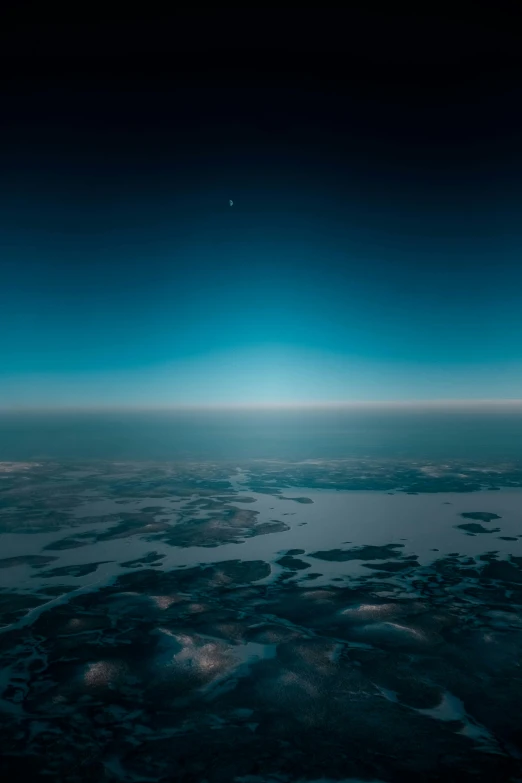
column 372, row 252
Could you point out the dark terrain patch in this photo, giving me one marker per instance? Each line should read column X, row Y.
column 292, row 563
column 82, row 569
column 359, row 553
column 475, row 527
column 400, row 565
column 35, row 561
column 482, row 516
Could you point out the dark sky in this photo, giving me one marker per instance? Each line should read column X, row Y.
column 374, row 246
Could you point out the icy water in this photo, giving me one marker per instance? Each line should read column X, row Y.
column 314, row 620
column 426, row 526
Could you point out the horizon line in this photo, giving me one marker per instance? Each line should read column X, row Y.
column 260, row 406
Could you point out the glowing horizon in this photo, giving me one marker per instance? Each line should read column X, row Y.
column 263, row 375
column 274, row 406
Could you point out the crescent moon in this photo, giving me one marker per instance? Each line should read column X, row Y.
column 231, row 202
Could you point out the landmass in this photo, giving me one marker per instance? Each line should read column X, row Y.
column 483, row 516
column 474, row 528
column 172, row 659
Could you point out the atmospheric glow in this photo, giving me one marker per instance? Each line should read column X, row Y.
column 266, row 376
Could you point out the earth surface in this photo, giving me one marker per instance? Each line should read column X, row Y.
column 267, row 622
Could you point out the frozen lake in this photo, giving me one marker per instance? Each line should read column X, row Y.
column 425, row 525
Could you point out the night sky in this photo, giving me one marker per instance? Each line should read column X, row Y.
column 373, row 250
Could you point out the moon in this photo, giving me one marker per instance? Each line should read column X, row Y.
column 231, row 202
